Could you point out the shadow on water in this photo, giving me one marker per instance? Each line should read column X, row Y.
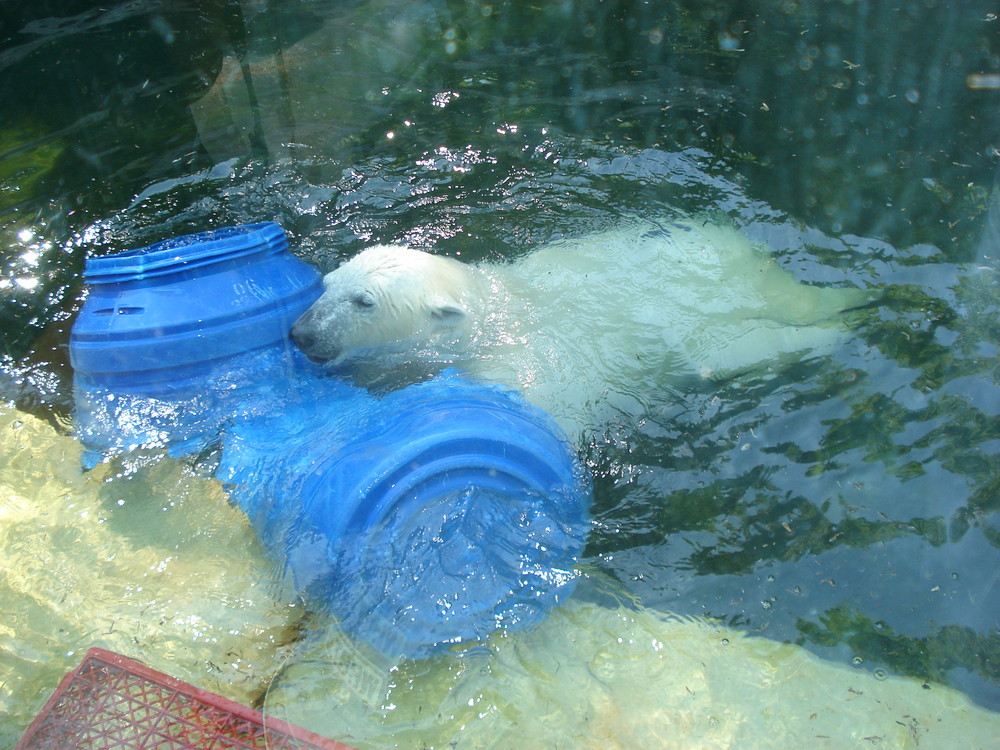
column 851, row 504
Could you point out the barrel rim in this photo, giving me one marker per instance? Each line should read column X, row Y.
column 186, row 251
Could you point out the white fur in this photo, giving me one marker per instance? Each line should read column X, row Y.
column 582, row 325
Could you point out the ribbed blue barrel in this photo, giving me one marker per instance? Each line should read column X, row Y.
column 162, row 317
column 174, row 337
column 433, row 515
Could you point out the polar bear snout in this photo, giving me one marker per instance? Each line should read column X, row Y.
column 305, row 336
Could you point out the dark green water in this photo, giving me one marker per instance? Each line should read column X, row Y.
column 851, row 505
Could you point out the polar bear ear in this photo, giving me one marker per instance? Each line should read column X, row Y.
column 448, row 314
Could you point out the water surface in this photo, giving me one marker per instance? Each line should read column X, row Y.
column 849, row 505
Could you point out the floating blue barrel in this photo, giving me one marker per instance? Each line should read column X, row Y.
column 433, row 515
column 161, row 318
column 174, row 336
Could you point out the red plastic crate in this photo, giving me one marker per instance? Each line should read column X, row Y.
column 111, row 702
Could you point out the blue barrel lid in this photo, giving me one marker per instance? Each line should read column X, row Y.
column 188, row 251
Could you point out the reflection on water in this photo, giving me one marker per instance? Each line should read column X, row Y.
column 849, row 505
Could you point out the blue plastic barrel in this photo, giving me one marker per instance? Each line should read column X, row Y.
column 433, row 515
column 174, row 336
column 162, row 317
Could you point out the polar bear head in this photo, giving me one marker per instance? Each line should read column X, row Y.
column 387, row 297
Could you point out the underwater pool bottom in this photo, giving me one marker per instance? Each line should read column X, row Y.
column 111, row 701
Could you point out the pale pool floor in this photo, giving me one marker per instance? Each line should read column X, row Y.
column 158, row 567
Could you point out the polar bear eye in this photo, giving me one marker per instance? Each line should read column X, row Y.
column 365, row 300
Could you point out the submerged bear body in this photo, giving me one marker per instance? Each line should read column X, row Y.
column 580, row 326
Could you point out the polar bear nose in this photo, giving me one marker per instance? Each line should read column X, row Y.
column 304, row 338
column 310, row 343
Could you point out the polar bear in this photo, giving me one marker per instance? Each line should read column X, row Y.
column 611, row 321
